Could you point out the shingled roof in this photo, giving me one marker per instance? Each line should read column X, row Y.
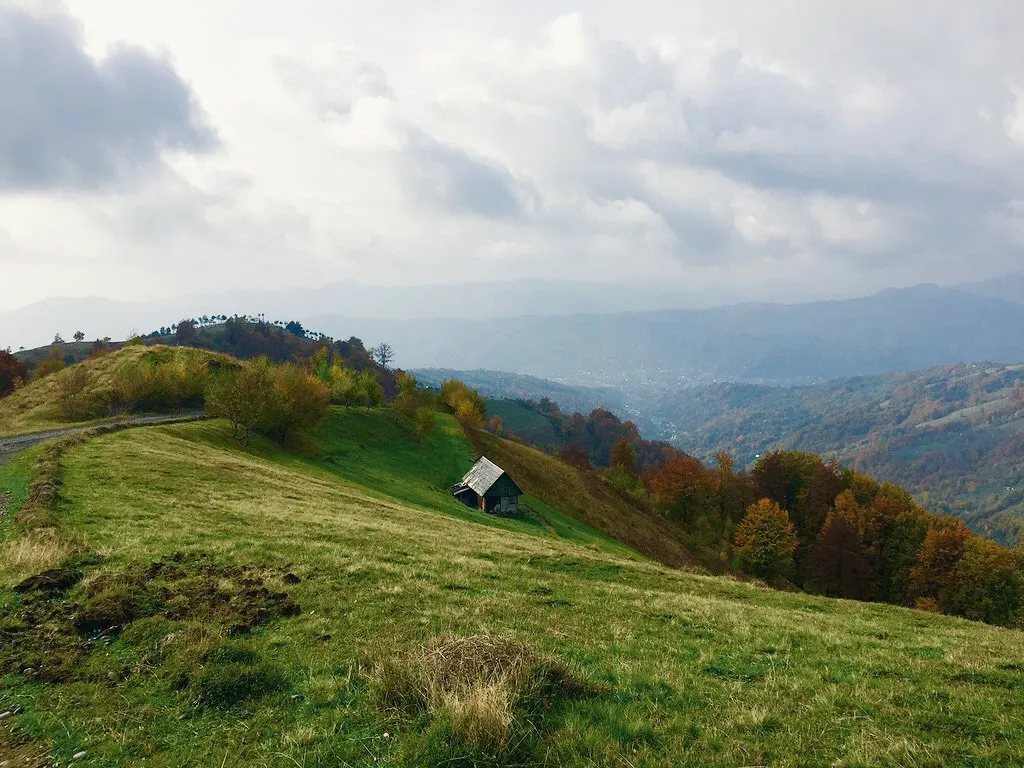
column 482, row 476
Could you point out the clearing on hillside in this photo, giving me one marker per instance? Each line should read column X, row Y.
column 430, row 634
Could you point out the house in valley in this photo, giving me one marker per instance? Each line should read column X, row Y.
column 489, row 488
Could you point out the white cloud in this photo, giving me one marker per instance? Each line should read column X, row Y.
column 863, row 143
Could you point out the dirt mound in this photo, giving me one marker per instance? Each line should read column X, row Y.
column 58, row 622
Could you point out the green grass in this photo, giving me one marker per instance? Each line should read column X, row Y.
column 14, row 480
column 690, row 670
column 531, row 426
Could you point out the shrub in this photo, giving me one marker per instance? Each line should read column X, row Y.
column 261, row 397
column 50, row 366
column 75, row 403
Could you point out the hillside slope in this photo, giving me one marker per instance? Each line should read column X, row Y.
column 587, row 498
column 37, row 406
column 321, row 573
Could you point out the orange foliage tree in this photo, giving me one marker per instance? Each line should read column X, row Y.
column 939, row 556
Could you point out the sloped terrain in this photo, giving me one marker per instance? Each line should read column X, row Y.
column 36, row 407
column 644, row 665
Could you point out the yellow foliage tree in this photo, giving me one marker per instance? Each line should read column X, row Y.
column 765, row 540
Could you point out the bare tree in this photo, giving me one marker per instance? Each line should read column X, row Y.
column 383, row 354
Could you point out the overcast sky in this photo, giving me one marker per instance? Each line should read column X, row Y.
column 779, row 148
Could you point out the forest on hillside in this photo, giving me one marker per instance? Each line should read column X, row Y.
column 954, row 435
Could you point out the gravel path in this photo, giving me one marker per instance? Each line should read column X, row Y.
column 11, row 445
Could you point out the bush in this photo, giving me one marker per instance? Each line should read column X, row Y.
column 13, row 372
column 273, row 400
column 75, row 403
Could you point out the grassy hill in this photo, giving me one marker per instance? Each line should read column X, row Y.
column 952, row 434
column 273, row 608
column 36, row 407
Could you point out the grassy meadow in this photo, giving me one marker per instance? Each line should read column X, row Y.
column 357, row 560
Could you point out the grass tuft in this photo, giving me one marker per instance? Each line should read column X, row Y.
column 490, row 693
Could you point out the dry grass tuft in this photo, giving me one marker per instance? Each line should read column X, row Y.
column 36, row 551
column 488, row 690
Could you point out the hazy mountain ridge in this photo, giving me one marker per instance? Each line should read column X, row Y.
column 894, row 330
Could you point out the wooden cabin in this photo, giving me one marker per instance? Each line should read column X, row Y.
column 490, row 489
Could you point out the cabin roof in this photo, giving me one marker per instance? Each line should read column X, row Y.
column 484, row 474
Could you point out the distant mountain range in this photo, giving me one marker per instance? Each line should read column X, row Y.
column 37, row 323
column 1008, row 288
column 895, row 330
column 592, row 333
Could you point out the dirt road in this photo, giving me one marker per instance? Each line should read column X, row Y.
column 11, row 445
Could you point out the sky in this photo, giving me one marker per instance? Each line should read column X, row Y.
column 776, row 149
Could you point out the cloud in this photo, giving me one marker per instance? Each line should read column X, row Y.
column 727, row 147
column 69, row 121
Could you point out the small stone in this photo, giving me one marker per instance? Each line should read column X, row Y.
column 29, row 671
column 5, row 715
column 78, row 755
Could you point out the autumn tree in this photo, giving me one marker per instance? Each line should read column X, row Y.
column 464, row 403
column 370, row 392
column 685, row 490
column 623, row 458
column 940, row 554
column 244, row 396
column 13, row 372
column 575, row 456
column 765, row 540
column 300, row 400
column 838, row 563
column 987, row 584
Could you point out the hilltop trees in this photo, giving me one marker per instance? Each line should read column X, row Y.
column 383, row 354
